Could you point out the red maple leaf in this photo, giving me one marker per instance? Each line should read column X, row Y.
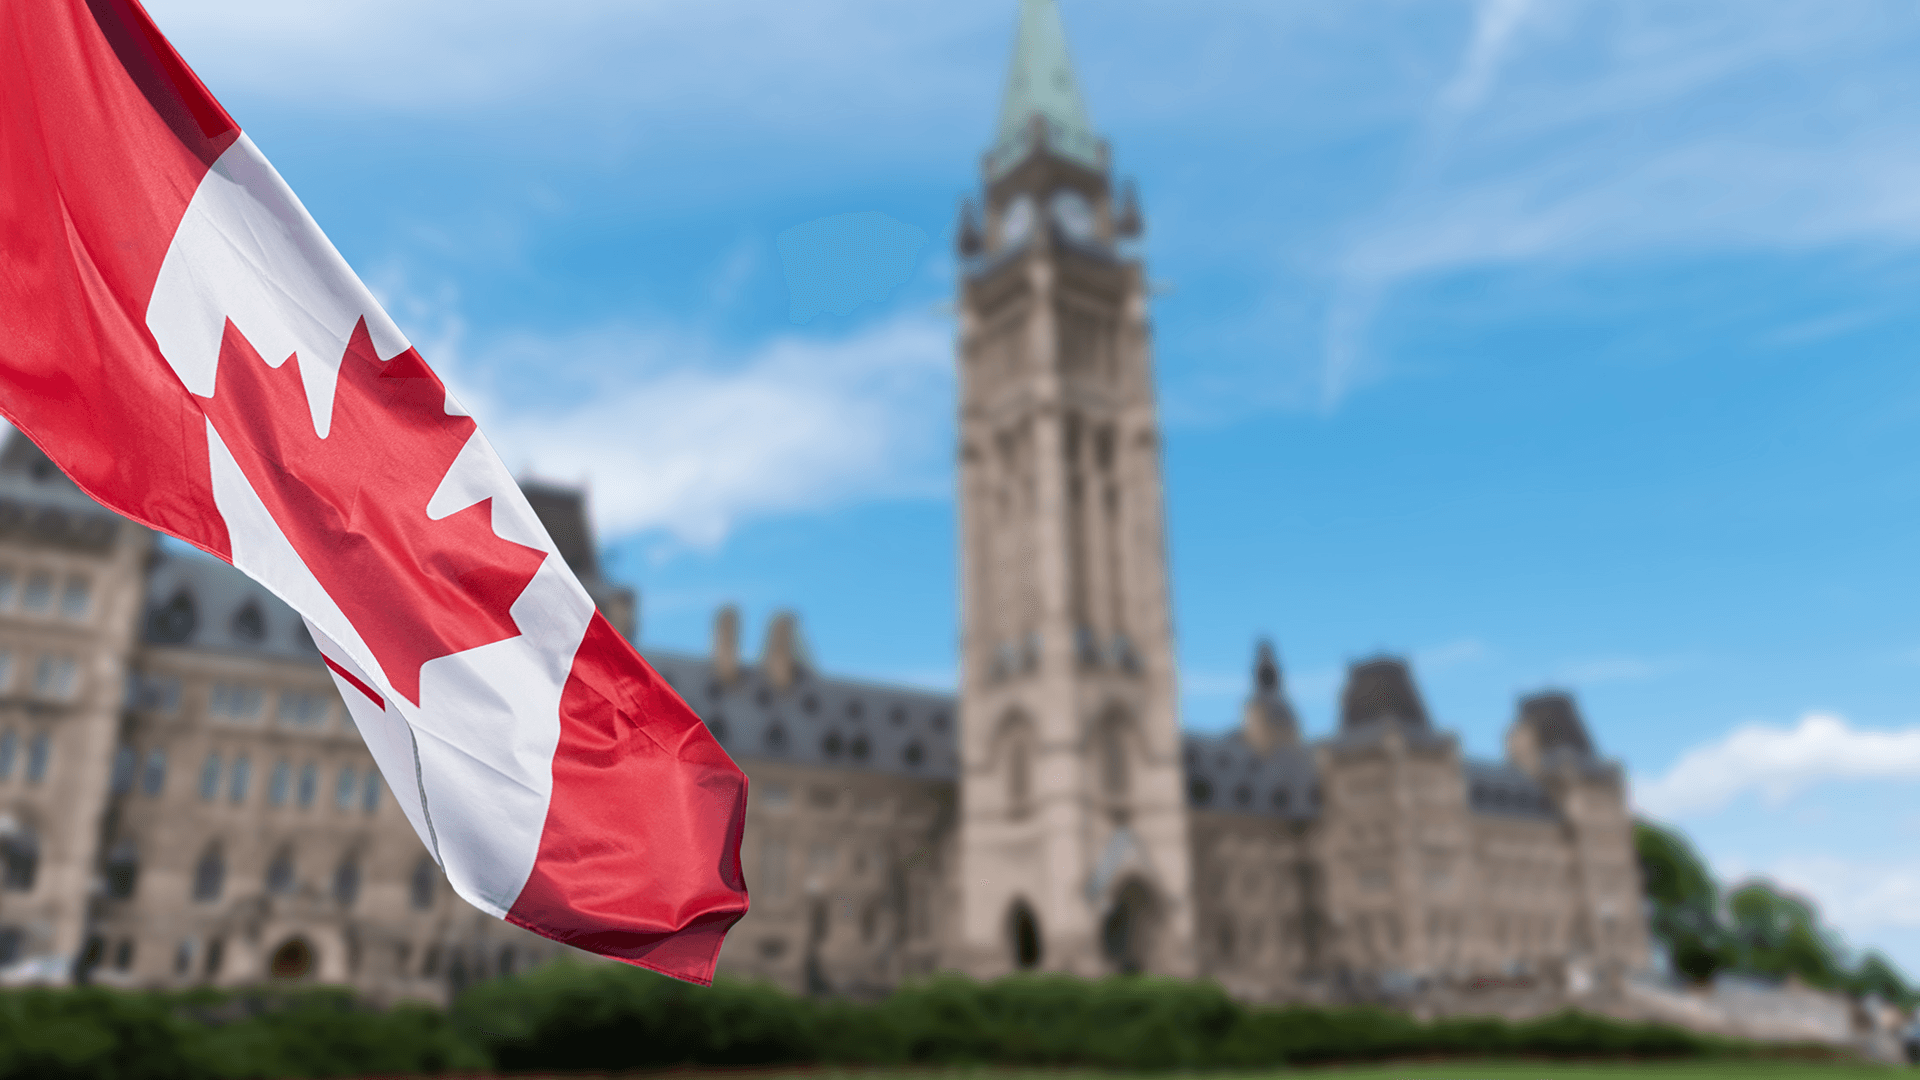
column 354, row 504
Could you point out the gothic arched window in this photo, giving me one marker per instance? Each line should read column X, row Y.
column 1016, row 740
column 241, row 779
column 1114, row 779
column 425, row 874
column 280, row 872
column 346, row 881
column 1019, row 776
column 122, row 870
column 210, row 875
column 153, row 779
column 210, row 777
column 39, row 752
column 19, row 858
column 125, row 761
column 282, row 782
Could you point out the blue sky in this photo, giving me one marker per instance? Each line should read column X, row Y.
column 1547, row 342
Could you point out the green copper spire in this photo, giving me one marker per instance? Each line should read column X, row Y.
column 1041, row 83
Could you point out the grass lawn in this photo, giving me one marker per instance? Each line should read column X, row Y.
column 1554, row 1070
column 1410, row 1070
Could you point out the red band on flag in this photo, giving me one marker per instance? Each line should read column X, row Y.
column 94, row 179
column 353, row 681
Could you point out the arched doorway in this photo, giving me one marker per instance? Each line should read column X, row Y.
column 292, row 960
column 1126, row 934
column 1023, row 936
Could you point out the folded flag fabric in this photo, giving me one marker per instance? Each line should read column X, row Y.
column 181, row 338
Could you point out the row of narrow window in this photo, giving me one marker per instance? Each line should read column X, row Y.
column 351, row 787
column 210, row 876
column 55, row 678
column 230, row 701
column 832, row 745
column 241, row 701
column 1200, row 791
column 459, row 965
column 39, row 753
column 36, row 595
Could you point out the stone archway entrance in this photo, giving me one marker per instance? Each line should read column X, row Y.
column 1126, row 934
column 292, row 960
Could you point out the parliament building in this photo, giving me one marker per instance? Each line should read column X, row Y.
column 184, row 800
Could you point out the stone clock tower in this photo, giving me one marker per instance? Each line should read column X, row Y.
column 1074, row 840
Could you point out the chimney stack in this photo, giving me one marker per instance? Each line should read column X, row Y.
column 784, row 658
column 726, row 644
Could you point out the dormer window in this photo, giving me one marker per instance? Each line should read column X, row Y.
column 174, row 621
column 249, row 623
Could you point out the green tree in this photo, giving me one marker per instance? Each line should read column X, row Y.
column 1685, row 915
column 1765, row 931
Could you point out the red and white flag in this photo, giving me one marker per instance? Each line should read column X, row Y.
column 181, row 338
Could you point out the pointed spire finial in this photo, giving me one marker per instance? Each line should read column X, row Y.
column 1041, row 84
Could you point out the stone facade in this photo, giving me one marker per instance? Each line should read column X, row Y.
column 183, row 798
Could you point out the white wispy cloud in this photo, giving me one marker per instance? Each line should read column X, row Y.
column 1494, row 25
column 682, row 438
column 1875, row 904
column 1858, row 896
column 1777, row 763
column 1594, row 131
column 753, row 62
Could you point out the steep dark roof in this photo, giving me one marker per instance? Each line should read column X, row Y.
column 563, row 510
column 38, row 504
column 20, row 457
column 197, row 601
column 1381, row 689
column 1504, row 791
column 1556, row 723
column 1224, row 774
column 837, row 723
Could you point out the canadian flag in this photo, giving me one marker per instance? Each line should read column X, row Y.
column 178, row 334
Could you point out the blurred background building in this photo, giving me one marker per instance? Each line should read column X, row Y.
column 183, row 798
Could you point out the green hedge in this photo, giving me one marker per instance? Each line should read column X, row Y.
column 606, row 1017
column 89, row 1033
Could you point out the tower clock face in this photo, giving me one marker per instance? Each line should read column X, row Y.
column 1073, row 215
column 1016, row 222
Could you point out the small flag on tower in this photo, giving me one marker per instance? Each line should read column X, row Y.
column 181, row 338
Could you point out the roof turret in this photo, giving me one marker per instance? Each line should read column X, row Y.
column 1381, row 689
column 1268, row 720
column 1556, row 722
